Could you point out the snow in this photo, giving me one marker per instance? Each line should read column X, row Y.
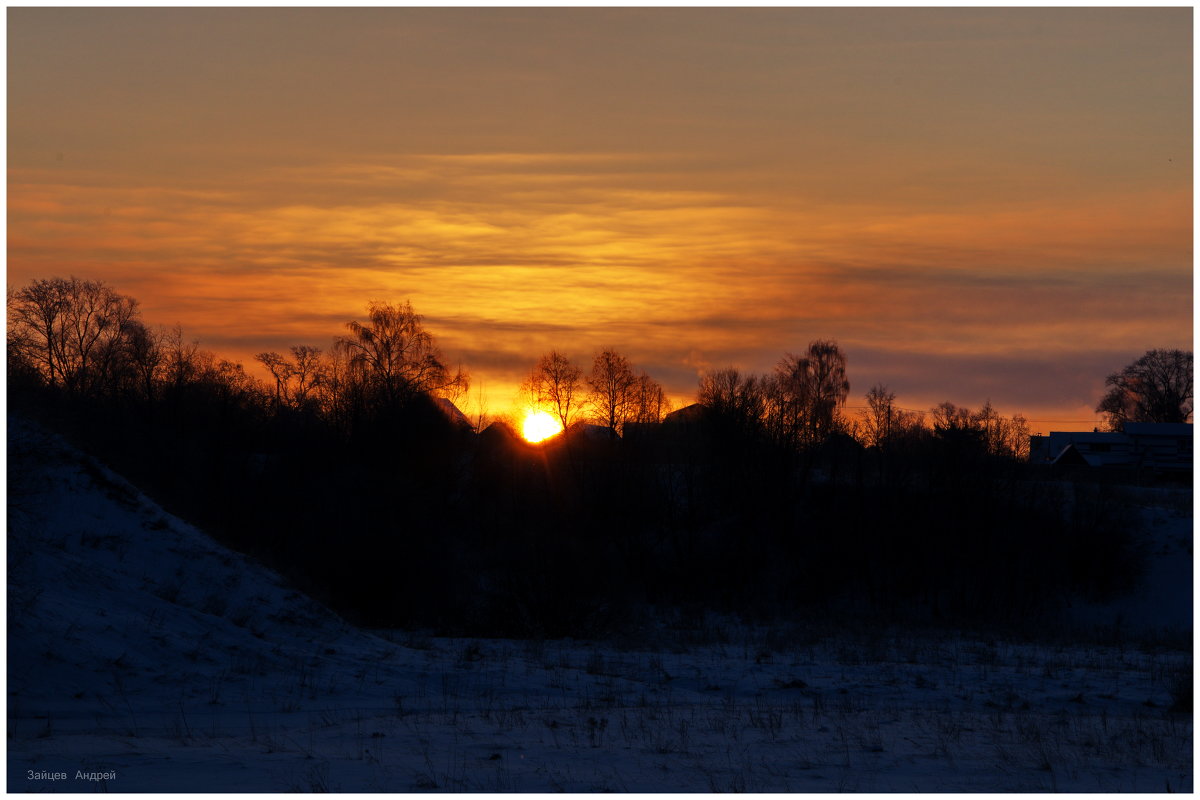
column 1163, row 600
column 139, row 646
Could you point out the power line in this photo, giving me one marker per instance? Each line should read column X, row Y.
column 1028, row 419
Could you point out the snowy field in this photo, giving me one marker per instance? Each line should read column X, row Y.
column 149, row 658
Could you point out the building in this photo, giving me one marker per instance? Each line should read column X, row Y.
column 1153, row 446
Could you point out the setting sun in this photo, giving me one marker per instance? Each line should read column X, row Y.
column 539, row 425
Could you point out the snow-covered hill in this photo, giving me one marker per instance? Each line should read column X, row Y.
column 1162, row 602
column 143, row 656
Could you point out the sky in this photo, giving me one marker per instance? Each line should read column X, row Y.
column 976, row 204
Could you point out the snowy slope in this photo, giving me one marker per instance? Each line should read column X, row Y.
column 138, row 646
column 1162, row 603
column 124, row 622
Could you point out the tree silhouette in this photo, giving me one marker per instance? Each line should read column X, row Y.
column 809, row 392
column 296, row 379
column 649, row 401
column 556, row 382
column 395, row 359
column 949, row 418
column 181, row 362
column 1155, row 388
column 611, row 382
column 731, row 396
column 71, row 331
column 281, row 370
column 1002, row 436
column 307, row 371
column 879, row 417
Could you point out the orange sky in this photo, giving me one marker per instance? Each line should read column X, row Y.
column 976, row 204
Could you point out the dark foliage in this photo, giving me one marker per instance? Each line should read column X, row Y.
column 1155, row 388
column 375, row 501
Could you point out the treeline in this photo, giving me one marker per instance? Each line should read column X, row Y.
column 611, row 394
column 346, row 472
column 88, row 342
column 801, row 405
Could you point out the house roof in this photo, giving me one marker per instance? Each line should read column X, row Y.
column 688, row 414
column 452, row 412
column 1070, row 455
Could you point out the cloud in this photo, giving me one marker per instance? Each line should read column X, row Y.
column 513, row 254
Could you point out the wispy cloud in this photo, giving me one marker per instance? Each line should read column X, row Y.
column 984, row 190
column 528, row 252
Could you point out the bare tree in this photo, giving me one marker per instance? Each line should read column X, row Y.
column 555, row 382
column 650, row 403
column 35, row 324
column 731, row 395
column 995, row 433
column 879, row 417
column 1155, row 388
column 281, row 370
column 306, row 370
column 482, row 417
column 611, row 382
column 146, row 357
column 295, row 378
column 181, row 359
column 395, row 358
column 332, row 388
column 948, row 417
column 809, row 393
column 990, row 425
column 24, row 356
column 1014, row 439
column 71, row 331
column 96, row 321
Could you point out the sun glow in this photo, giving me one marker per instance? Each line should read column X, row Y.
column 539, row 426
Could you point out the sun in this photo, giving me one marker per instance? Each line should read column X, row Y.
column 539, row 425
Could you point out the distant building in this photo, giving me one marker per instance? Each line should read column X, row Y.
column 452, row 413
column 594, row 433
column 695, row 414
column 1153, row 446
